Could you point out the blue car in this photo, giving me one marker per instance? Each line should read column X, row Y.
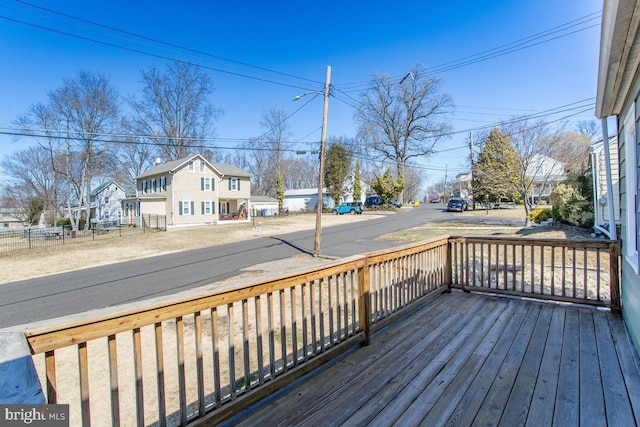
column 348, row 208
column 457, row 204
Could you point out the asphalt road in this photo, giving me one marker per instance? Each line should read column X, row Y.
column 94, row 288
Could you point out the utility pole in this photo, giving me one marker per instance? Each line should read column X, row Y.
column 323, row 142
column 473, row 203
column 445, row 181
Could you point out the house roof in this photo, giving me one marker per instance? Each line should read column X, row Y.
column 304, row 192
column 619, row 55
column 127, row 188
column 263, row 199
column 174, row 165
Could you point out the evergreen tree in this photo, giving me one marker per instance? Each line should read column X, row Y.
column 357, row 186
column 279, row 190
column 495, row 173
column 336, row 170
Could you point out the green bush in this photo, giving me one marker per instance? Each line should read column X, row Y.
column 571, row 207
column 540, row 215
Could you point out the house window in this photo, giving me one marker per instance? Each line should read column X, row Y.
column 206, row 184
column 224, row 208
column 144, row 187
column 186, row 207
column 234, row 184
column 154, row 185
column 207, row 208
column 631, row 189
column 201, row 166
column 163, row 183
column 191, row 166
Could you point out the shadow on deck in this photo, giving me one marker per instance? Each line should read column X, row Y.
column 467, row 359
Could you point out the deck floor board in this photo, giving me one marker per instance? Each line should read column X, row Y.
column 466, row 359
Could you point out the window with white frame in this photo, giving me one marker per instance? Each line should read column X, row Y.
column 207, row 207
column 206, row 184
column 154, row 185
column 201, row 166
column 631, row 189
column 144, row 187
column 163, row 183
column 224, row 208
column 191, row 169
column 234, row 184
column 186, row 207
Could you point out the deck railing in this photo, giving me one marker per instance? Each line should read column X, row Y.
column 585, row 272
column 205, row 358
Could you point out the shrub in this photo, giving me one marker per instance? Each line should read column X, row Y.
column 571, row 207
column 540, row 215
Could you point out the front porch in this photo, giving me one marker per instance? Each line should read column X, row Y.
column 396, row 337
column 467, row 359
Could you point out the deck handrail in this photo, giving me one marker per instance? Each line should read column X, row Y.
column 205, row 357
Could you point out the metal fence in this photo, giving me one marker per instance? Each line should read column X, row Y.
column 17, row 239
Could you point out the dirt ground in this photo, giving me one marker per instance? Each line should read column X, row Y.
column 20, row 265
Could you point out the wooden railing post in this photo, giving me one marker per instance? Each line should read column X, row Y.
column 448, row 272
column 614, row 276
column 364, row 301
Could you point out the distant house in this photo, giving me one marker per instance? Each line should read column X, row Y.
column 305, row 199
column 546, row 173
column 263, row 206
column 9, row 219
column 106, row 201
column 191, row 191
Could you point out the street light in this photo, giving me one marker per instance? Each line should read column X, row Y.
column 323, row 142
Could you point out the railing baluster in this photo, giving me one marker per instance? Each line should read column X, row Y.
column 182, row 387
column 245, row 345
column 573, row 275
column 84, row 383
column 137, row 367
column 199, row 362
column 272, row 341
column 160, row 384
column 294, row 325
column 305, row 323
column 113, row 380
column 542, row 250
column 330, row 281
column 585, row 289
column 215, row 345
column 257, row 305
column 232, row 350
column 283, row 331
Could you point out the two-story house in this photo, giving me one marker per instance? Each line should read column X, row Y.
column 106, row 201
column 191, row 191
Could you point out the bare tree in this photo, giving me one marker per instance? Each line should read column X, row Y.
column 534, row 142
column 405, row 119
column 175, row 112
column 30, row 189
column 86, row 108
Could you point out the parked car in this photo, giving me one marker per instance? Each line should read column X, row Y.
column 436, row 200
column 372, row 201
column 457, row 204
column 348, row 207
column 395, row 203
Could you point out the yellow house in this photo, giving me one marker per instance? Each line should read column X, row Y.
column 191, row 191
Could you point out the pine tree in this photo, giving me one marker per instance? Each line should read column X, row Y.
column 357, row 187
column 336, row 170
column 495, row 174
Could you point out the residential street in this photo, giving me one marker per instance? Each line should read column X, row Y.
column 131, row 282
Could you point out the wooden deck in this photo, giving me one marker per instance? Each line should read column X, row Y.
column 466, row 359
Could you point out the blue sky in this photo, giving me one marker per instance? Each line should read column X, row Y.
column 243, row 43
